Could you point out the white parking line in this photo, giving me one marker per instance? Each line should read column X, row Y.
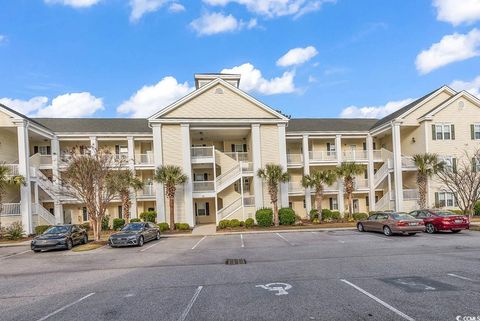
column 149, row 247
column 65, row 307
column 196, row 244
column 460, row 277
column 190, row 304
column 385, row 304
column 241, row 239
column 285, row 239
column 12, row 255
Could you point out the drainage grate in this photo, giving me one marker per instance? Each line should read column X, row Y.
column 235, row 261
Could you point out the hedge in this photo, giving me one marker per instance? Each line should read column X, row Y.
column 163, row 226
column 360, row 216
column 249, row 222
column 223, row 224
column 118, row 223
column 41, row 228
column 328, row 215
column 234, row 223
column 86, row 226
column 264, row 217
column 286, row 216
column 313, row 214
column 150, row 216
column 182, row 226
column 106, row 223
column 135, row 220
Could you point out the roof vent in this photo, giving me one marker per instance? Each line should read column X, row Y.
column 218, row 90
column 461, row 104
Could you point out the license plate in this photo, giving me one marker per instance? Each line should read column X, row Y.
column 458, row 221
column 413, row 224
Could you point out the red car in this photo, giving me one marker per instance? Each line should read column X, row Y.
column 440, row 220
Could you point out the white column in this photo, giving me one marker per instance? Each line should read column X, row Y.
column 371, row 174
column 131, row 166
column 158, row 160
column 57, row 207
column 24, row 170
column 187, row 168
column 282, row 150
column 94, row 143
column 257, row 164
column 397, row 166
column 306, row 171
column 340, row 195
column 427, row 134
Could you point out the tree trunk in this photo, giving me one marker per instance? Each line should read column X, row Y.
column 99, row 229
column 93, row 226
column 126, row 206
column 422, row 191
column 318, row 200
column 350, row 205
column 171, row 203
column 276, row 221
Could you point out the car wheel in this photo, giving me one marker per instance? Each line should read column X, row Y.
column 140, row 241
column 158, row 236
column 430, row 228
column 387, row 231
column 36, row 250
column 69, row 244
column 360, row 227
column 456, row 231
column 85, row 240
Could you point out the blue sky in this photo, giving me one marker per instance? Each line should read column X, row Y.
column 120, row 58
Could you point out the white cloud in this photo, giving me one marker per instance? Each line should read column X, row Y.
column 297, row 56
column 454, row 12
column 374, row 111
column 472, row 86
column 253, row 81
column 141, row 7
column 451, row 48
column 68, row 105
column 150, row 99
column 275, row 8
column 214, row 23
column 2, row 38
column 176, row 7
column 74, row 3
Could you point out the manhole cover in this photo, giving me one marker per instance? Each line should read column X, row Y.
column 418, row 284
column 235, row 261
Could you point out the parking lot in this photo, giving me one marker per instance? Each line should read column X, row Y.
column 338, row 275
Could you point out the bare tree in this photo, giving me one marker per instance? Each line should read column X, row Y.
column 90, row 177
column 463, row 180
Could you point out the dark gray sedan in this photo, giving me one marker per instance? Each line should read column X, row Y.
column 59, row 237
column 135, row 234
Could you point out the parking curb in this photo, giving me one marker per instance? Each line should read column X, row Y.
column 25, row 243
column 326, row 229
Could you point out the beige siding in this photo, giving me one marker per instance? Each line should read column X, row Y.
column 425, row 108
column 270, row 153
column 8, row 145
column 5, row 120
column 211, row 105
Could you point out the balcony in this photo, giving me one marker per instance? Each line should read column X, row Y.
column 295, row 187
column 12, row 169
column 323, row 156
column 238, row 156
column 408, row 163
column 10, row 209
column 203, row 186
column 361, row 183
column 249, row 201
column 144, row 159
column 148, row 191
column 203, row 154
column 294, row 159
column 355, row 155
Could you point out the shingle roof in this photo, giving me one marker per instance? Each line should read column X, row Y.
column 96, row 125
column 330, row 124
column 22, row 115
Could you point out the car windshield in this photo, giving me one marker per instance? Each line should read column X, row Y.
column 445, row 213
column 133, row 227
column 57, row 230
column 402, row 216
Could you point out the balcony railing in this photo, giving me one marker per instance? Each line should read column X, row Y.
column 12, row 169
column 147, row 190
column 355, row 155
column 202, row 152
column 246, row 167
column 410, row 194
column 204, row 186
column 10, row 209
column 407, row 162
column 361, row 183
column 295, row 187
column 249, row 201
column 294, row 159
column 238, row 156
column 322, row 156
column 45, row 160
column 144, row 159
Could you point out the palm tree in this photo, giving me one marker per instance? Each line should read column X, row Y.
column 125, row 181
column 273, row 175
column 170, row 176
column 7, row 179
column 318, row 180
column 348, row 171
column 427, row 165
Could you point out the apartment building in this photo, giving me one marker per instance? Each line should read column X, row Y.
column 221, row 136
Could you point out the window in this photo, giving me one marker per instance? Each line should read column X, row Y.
column 121, row 150
column 239, row 148
column 151, row 209
column 304, row 204
column 200, row 177
column 120, row 212
column 476, row 164
column 450, row 163
column 202, row 208
column 42, row 150
column 443, row 132
column 85, row 214
column 333, row 204
column 331, row 149
column 475, row 131
column 290, row 204
column 444, row 199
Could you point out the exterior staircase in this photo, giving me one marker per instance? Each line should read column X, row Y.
column 43, row 213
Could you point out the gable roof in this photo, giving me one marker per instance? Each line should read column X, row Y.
column 330, row 124
column 447, row 102
column 96, row 125
column 407, row 108
column 16, row 113
column 206, row 87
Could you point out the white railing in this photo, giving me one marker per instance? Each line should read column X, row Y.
column 144, row 159
column 202, row 152
column 229, row 209
column 377, row 155
column 386, row 154
column 295, row 187
column 410, row 194
column 248, row 201
column 294, row 159
column 46, row 160
column 407, row 162
column 203, row 186
column 12, row 169
column 42, row 212
column 333, row 187
column 65, row 159
column 383, row 203
column 381, row 173
column 361, row 183
column 238, row 156
column 322, row 156
column 147, row 190
column 355, row 155
column 46, row 184
column 10, row 209
column 228, row 176
column 120, row 158
column 246, row 167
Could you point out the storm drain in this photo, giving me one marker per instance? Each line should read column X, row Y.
column 235, row 261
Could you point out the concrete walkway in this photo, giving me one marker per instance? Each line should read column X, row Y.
column 204, row 229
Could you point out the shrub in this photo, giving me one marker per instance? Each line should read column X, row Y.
column 41, row 228
column 286, row 216
column 326, row 214
column 242, row 223
column 163, row 226
column 234, row 223
column 477, row 208
column 336, row 215
column 106, row 223
column 458, row 212
column 182, row 226
column 249, row 222
column 86, row 226
column 223, row 224
column 360, row 216
column 118, row 223
column 264, row 217
column 14, row 231
column 315, row 221
column 150, row 216
column 135, row 220
column 313, row 214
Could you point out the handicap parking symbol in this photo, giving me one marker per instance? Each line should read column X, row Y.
column 280, row 288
